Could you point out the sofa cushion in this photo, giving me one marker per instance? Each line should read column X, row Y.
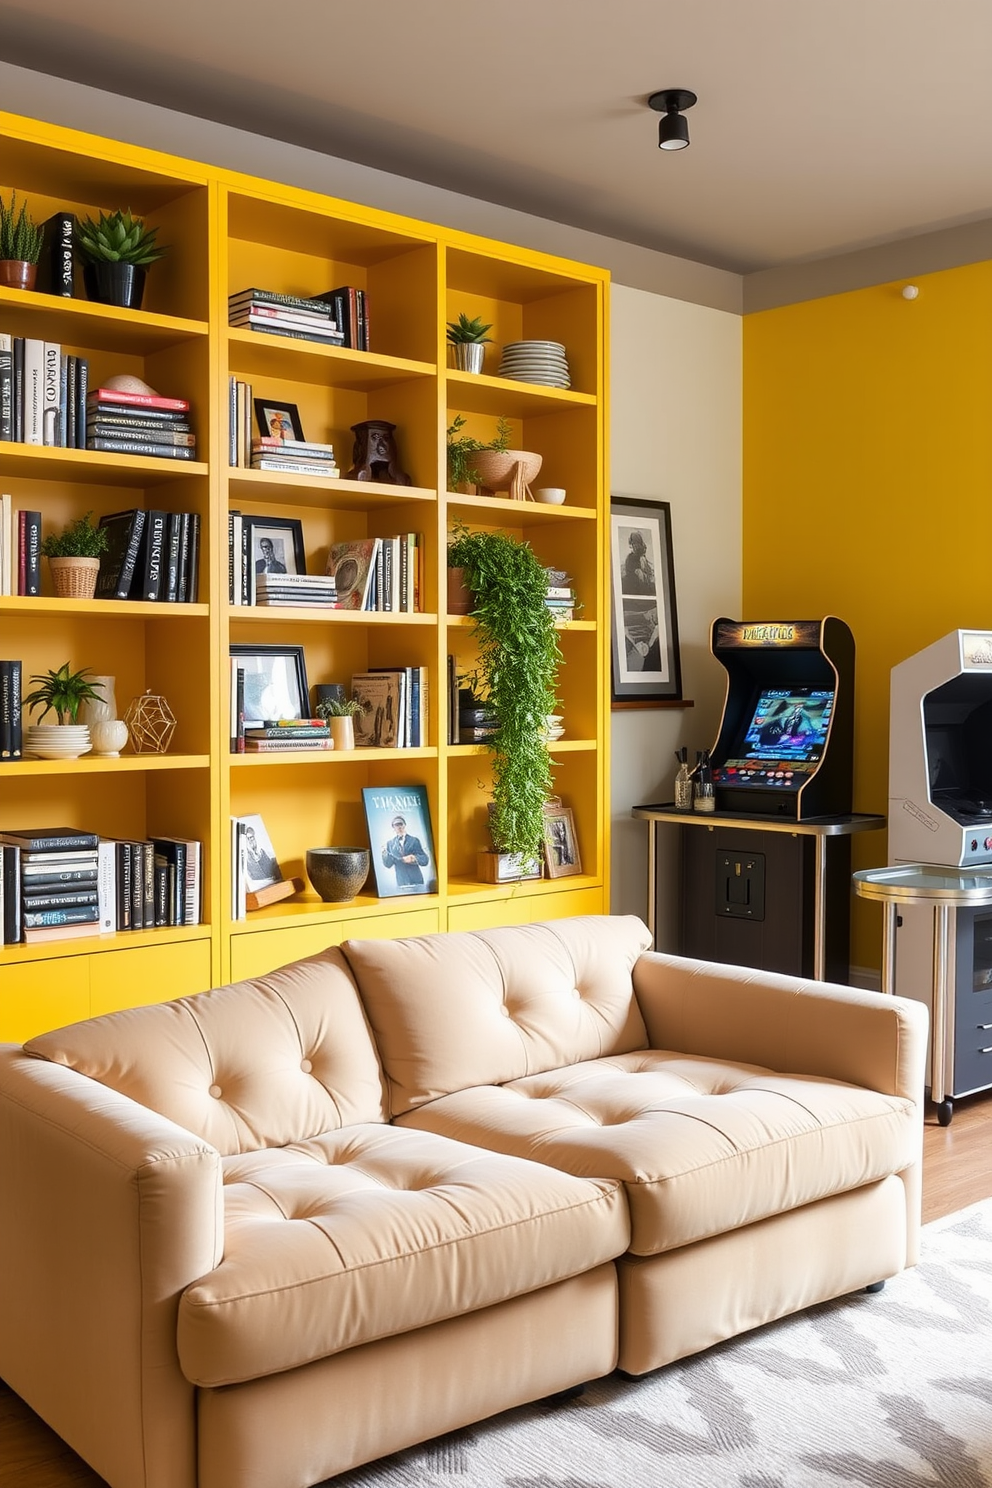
column 703, row 1146
column 366, row 1233
column 255, row 1064
column 456, row 1010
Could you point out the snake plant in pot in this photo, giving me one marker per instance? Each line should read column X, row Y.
column 118, row 249
column 518, row 661
column 20, row 245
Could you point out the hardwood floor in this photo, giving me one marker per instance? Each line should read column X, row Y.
column 957, row 1171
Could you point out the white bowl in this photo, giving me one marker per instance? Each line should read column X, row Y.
column 550, row 495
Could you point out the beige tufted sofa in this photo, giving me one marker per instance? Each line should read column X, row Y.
column 254, row 1238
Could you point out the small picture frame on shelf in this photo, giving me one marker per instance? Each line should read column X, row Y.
column 398, row 818
column 275, row 683
column 277, row 420
column 274, row 546
column 261, row 864
column 561, row 848
column 645, row 631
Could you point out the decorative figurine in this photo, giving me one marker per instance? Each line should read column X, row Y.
column 374, row 456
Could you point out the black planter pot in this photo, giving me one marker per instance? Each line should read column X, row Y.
column 115, row 284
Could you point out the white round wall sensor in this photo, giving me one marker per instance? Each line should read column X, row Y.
column 910, row 292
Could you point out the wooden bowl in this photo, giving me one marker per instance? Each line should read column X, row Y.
column 496, row 468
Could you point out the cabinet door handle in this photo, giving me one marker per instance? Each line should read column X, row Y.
column 985, row 1025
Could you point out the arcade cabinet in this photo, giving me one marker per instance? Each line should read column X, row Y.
column 765, row 880
column 940, row 814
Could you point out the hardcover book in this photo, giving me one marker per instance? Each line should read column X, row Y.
column 56, row 264
column 377, row 726
column 137, row 400
column 351, row 564
column 51, row 839
column 402, row 846
column 117, row 565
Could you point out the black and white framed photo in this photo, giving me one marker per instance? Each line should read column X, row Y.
column 275, row 683
column 261, row 866
column 274, row 546
column 561, row 848
column 277, row 420
column 646, row 666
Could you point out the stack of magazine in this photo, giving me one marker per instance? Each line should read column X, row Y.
column 315, row 590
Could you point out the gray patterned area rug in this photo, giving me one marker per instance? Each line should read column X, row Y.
column 892, row 1390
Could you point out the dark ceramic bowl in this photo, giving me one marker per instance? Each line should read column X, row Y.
column 337, row 873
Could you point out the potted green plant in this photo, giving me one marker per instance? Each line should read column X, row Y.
column 20, row 245
column 118, row 249
column 61, row 693
column 489, row 467
column 74, row 558
column 340, row 714
column 518, row 661
column 469, row 340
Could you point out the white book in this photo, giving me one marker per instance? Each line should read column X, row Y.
column 34, row 391
column 52, row 393
column 106, row 884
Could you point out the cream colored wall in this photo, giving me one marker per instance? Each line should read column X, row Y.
column 676, row 437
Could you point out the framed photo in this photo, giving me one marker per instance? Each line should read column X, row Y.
column 274, row 546
column 261, row 867
column 646, row 667
column 275, row 682
column 402, row 848
column 277, row 420
column 561, row 848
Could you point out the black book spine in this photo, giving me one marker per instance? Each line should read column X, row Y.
column 57, row 261
column 182, row 580
column 137, row 886
column 118, row 564
column 32, row 551
column 83, row 914
column 6, row 391
column 43, row 844
column 147, row 884
column 63, row 439
column 246, row 585
column 239, row 712
column 54, row 899
column 124, row 446
column 173, row 540
column 123, row 885
column 82, row 388
column 6, row 710
column 16, row 731
column 139, row 418
column 193, row 559
column 277, row 330
column 71, row 401
column 66, row 877
column 151, row 581
column 161, row 891
column 12, row 924
column 19, row 389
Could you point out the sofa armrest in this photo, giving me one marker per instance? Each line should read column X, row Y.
column 783, row 1023
column 108, row 1212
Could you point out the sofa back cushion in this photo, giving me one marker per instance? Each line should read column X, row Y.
column 455, row 1010
column 255, row 1064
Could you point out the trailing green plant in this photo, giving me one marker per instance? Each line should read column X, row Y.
column 518, row 661
column 461, row 448
column 118, row 238
column 463, row 329
column 340, row 707
column 20, row 236
column 62, row 692
column 81, row 539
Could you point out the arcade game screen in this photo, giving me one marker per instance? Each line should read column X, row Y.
column 788, row 724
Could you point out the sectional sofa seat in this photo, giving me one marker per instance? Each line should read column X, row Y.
column 254, row 1238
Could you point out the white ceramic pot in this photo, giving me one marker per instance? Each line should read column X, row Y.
column 101, row 708
column 109, row 737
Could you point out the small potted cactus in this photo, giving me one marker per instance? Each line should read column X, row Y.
column 117, row 249
column 469, row 339
column 20, row 245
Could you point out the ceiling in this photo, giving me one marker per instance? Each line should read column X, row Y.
column 822, row 125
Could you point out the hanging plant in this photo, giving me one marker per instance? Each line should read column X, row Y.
column 519, row 657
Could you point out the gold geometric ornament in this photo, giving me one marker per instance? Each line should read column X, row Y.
column 151, row 723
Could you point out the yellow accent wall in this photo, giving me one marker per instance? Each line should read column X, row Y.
column 868, row 488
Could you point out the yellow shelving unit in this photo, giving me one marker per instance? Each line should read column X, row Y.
column 227, row 232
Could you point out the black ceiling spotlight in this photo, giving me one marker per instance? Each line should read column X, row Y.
column 673, row 131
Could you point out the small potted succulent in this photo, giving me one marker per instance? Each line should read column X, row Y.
column 61, row 693
column 20, row 245
column 469, row 340
column 74, row 558
column 340, row 714
column 117, row 249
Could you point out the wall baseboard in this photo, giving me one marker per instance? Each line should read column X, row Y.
column 866, row 978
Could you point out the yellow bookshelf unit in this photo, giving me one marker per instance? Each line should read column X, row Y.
column 225, row 233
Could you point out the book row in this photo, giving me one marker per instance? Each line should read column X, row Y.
column 150, row 555
column 20, row 549
column 43, row 393
column 57, row 884
column 269, row 704
column 267, row 565
column 266, row 435
column 336, row 317
column 378, row 573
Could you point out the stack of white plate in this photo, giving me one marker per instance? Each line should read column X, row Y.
column 544, row 362
column 57, row 741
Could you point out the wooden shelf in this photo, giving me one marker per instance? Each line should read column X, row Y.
column 466, row 622
column 477, row 393
column 507, row 513
column 307, row 909
column 259, row 354
column 129, row 609
column 466, row 889
column 329, row 756
column 88, row 945
column 239, row 614
column 334, row 491
column 45, row 462
column 125, row 764
column 556, row 746
column 95, row 327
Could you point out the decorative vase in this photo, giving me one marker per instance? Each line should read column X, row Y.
column 16, row 274
column 507, row 470
column 102, row 708
column 459, row 598
column 337, row 873
column 470, row 356
column 74, row 578
column 115, row 284
column 109, row 735
column 343, row 731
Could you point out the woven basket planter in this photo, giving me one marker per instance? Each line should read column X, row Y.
column 74, row 578
column 507, row 470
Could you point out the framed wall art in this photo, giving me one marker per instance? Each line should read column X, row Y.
column 275, row 683
column 645, row 636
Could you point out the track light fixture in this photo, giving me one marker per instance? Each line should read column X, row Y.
column 673, row 130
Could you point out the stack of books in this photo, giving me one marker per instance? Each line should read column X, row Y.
column 395, row 707
column 61, row 883
column 350, row 307
column 297, row 733
column 560, row 597
column 377, row 573
column 301, row 456
column 124, row 423
column 150, row 555
column 42, row 393
column 315, row 590
column 272, row 314
column 20, row 549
